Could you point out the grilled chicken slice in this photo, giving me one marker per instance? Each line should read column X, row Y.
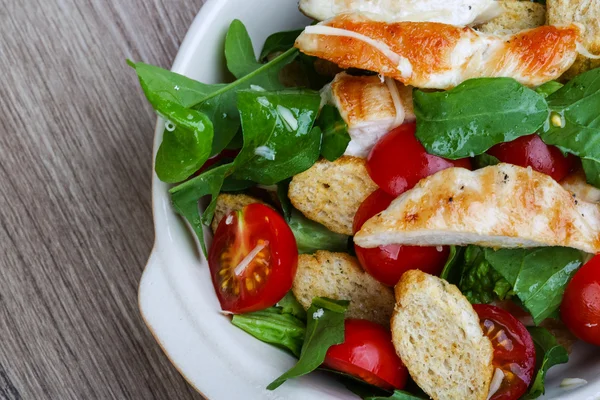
column 454, row 12
column 576, row 183
column 370, row 107
column 498, row 206
column 440, row 56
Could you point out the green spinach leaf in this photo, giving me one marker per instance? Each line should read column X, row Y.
column 548, row 88
column 275, row 327
column 161, row 85
column 453, row 267
column 397, row 395
column 185, row 198
column 289, row 305
column 186, row 143
column 574, row 124
column 477, row 114
column 369, row 392
column 538, row 276
column 484, row 160
column 479, row 282
column 548, row 354
column 592, row 171
column 279, row 141
column 312, row 236
column 239, row 52
column 280, row 41
column 325, row 328
column 335, row 133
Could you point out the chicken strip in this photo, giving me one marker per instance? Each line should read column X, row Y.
column 454, row 12
column 498, row 206
column 371, row 108
column 440, row 56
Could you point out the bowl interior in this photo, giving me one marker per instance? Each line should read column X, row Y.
column 176, row 295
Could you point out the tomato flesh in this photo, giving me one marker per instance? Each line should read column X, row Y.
column 398, row 161
column 253, row 259
column 368, row 353
column 580, row 308
column 514, row 351
column 388, row 263
column 531, row 151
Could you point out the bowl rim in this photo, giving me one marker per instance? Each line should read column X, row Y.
column 198, row 28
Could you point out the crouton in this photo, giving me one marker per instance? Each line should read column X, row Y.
column 497, row 206
column 585, row 12
column 227, row 203
column 517, row 16
column 331, row 192
column 437, row 335
column 339, row 276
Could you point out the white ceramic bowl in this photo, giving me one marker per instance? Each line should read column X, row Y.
column 176, row 296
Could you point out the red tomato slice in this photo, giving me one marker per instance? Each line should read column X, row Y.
column 514, row 351
column 580, row 308
column 388, row 263
column 398, row 161
column 531, row 151
column 368, row 353
column 252, row 259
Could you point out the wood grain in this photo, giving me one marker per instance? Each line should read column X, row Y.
column 75, row 216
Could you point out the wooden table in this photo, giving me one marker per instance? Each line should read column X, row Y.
column 75, row 217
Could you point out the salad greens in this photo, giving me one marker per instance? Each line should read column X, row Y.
column 279, row 139
column 479, row 113
column 239, row 52
column 289, row 305
column 475, row 115
column 275, row 326
column 538, row 276
column 280, row 41
column 324, row 328
column 335, row 133
column 480, row 282
column 548, row 354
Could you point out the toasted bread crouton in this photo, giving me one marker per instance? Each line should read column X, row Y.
column 498, row 206
column 339, row 276
column 576, row 184
column 437, row 335
column 227, row 203
column 517, row 16
column 585, row 12
column 331, row 192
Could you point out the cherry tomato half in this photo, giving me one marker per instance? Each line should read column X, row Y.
column 368, row 353
column 388, row 263
column 514, row 351
column 531, row 151
column 580, row 308
column 252, row 259
column 398, row 161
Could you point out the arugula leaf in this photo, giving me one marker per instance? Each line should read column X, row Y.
column 548, row 88
column 312, row 236
column 283, row 188
column 278, row 139
column 574, row 124
column 592, row 171
column 335, row 133
column 185, row 198
column 239, row 52
column 452, row 269
column 479, row 282
column 280, row 41
column 185, row 147
column 325, row 328
column 475, row 115
column 289, row 305
column 397, row 395
column 367, row 391
column 553, row 354
column 161, row 85
column 538, row 276
column 273, row 326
